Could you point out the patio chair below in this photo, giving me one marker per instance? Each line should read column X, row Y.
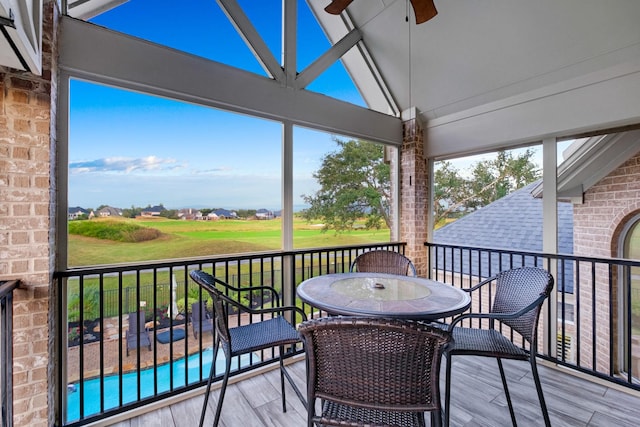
column 137, row 335
column 200, row 319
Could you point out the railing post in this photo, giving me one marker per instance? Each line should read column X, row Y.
column 6, row 355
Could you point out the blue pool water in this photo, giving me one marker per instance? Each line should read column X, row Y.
column 130, row 383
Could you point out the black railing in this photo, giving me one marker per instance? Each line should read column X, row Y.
column 594, row 327
column 6, row 349
column 99, row 379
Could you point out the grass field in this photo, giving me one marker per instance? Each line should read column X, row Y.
column 181, row 239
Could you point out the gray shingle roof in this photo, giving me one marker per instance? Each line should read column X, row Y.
column 514, row 223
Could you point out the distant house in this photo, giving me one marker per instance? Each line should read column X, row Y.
column 75, row 213
column 109, row 211
column 264, row 214
column 153, row 211
column 225, row 214
column 189, row 214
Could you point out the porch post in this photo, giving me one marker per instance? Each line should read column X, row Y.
column 413, row 190
column 550, row 239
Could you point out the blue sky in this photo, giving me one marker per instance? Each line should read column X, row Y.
column 129, row 148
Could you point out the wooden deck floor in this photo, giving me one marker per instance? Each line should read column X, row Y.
column 477, row 400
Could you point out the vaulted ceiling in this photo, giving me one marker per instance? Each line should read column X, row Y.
column 484, row 74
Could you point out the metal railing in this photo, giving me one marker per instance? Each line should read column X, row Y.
column 98, row 379
column 6, row 350
column 594, row 325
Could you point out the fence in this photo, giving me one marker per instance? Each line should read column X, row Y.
column 99, row 379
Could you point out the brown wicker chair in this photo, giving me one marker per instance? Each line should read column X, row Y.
column 380, row 261
column 273, row 331
column 372, row 371
column 518, row 298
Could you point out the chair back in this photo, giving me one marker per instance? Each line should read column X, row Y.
column 518, row 288
column 208, row 283
column 381, row 261
column 198, row 311
column 136, row 324
column 375, row 363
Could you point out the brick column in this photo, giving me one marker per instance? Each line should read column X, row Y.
column 26, row 122
column 414, row 187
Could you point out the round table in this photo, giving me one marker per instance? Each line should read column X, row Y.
column 383, row 295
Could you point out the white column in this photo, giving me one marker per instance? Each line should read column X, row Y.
column 550, row 237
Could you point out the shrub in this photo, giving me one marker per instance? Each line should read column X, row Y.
column 91, row 305
column 119, row 231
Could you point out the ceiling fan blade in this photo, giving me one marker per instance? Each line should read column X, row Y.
column 423, row 9
column 337, row 6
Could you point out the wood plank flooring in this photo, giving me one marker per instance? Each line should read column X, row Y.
column 477, row 400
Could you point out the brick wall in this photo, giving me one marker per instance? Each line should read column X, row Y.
column 598, row 223
column 25, row 205
column 414, row 187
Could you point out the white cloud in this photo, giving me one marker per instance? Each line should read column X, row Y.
column 124, row 165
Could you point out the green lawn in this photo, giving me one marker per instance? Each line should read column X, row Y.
column 182, row 239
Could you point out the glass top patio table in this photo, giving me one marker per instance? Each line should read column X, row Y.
column 383, row 295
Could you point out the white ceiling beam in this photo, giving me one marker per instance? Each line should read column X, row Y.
column 327, row 59
column 252, row 38
column 95, row 53
column 290, row 40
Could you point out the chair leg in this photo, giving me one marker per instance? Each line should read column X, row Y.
column 206, row 394
column 223, row 389
column 506, row 392
column 447, row 392
column 284, row 402
column 536, row 380
column 436, row 418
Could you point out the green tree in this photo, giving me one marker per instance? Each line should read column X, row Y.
column 489, row 181
column 354, row 183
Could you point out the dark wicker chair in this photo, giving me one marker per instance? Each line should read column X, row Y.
column 137, row 335
column 517, row 300
column 380, row 261
column 273, row 331
column 372, row 371
column 200, row 319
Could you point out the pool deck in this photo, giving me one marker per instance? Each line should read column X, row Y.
column 113, row 352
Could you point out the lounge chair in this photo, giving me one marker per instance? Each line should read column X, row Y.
column 200, row 319
column 137, row 335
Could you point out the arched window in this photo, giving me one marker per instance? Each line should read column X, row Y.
column 629, row 300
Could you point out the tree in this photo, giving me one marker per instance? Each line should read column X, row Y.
column 354, row 183
column 490, row 180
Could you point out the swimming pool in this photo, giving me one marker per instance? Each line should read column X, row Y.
column 130, row 383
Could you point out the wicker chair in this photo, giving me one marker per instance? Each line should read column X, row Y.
column 380, row 261
column 372, row 371
column 200, row 319
column 137, row 335
column 274, row 331
column 518, row 298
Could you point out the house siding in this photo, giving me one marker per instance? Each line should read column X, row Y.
column 598, row 223
column 27, row 132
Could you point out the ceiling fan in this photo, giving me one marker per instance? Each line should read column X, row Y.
column 423, row 9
